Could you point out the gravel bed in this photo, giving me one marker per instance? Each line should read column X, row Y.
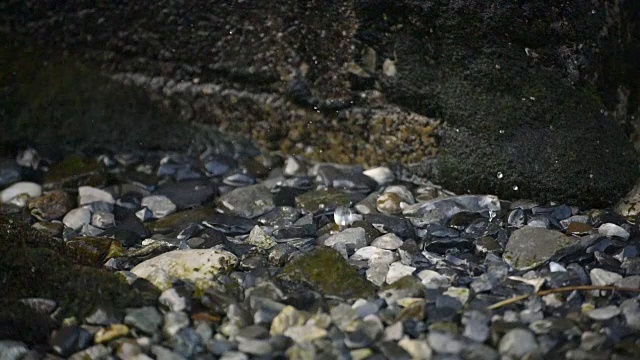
column 267, row 257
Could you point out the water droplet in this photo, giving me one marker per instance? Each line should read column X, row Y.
column 532, row 98
column 500, row 175
column 515, row 187
column 501, row 131
column 591, row 176
column 593, row 11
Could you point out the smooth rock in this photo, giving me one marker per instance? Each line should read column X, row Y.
column 398, row 270
column 159, row 205
column 530, row 247
column 518, row 343
column 88, row 194
column 610, row 229
column 50, row 206
column 249, row 201
column 77, row 218
column 604, row 313
column 32, row 190
column 146, row 319
column 387, row 242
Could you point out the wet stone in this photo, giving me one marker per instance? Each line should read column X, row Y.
column 249, row 201
column 72, row 172
column 280, row 217
column 609, row 229
column 530, row 247
column 187, row 194
column 146, row 319
column 518, row 343
column 88, row 195
column 391, row 224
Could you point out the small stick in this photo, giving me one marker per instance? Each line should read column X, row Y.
column 518, row 298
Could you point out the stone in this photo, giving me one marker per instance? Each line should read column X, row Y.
column 111, row 332
column 32, row 190
column 398, row 270
column 518, row 343
column 93, row 251
column 341, row 280
column 88, row 195
column 387, row 242
column 103, row 219
column 604, row 313
column 146, row 319
column 187, row 194
column 287, row 318
column 418, row 349
column 610, row 229
column 159, row 205
column 323, row 200
column 374, row 255
column 305, row 333
column 444, row 343
column 382, row 174
column 353, row 238
column 77, row 218
column 174, row 321
column 50, row 206
column 197, row 266
column 73, row 172
column 249, row 201
column 259, row 238
column 529, row 247
column 433, row 280
column 601, row 277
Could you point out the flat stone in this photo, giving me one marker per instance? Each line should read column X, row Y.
column 601, row 277
column 398, row 270
column 323, row 200
column 287, row 318
column 197, row 266
column 72, row 172
column 159, row 205
column 303, row 333
column 249, row 201
column 32, row 190
column 433, row 280
column 529, row 247
column 88, row 194
column 188, row 194
column 352, row 237
column 339, row 279
column 146, row 319
column 610, row 229
column 604, row 313
column 260, row 239
column 382, row 175
column 387, row 242
column 374, row 255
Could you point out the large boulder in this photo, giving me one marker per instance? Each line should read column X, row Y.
column 533, row 91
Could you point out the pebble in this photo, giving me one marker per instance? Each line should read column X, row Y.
column 32, row 190
column 249, row 201
column 529, row 247
column 146, row 319
column 159, row 205
column 77, row 218
column 260, row 280
column 610, row 229
column 518, row 343
column 88, row 195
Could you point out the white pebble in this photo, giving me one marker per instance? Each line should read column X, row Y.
column 22, row 187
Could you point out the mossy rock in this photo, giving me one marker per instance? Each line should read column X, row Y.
column 316, row 201
column 326, row 271
column 175, row 220
column 74, row 171
column 35, row 266
column 93, row 251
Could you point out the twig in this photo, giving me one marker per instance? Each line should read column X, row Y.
column 518, row 298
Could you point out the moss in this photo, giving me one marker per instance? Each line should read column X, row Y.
column 326, row 271
column 33, row 265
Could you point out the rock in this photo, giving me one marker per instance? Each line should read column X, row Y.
column 518, row 343
column 93, row 251
column 73, row 172
column 324, row 200
column 77, row 218
column 13, row 350
column 260, row 239
column 342, row 280
column 195, row 266
column 352, row 238
column 187, row 194
column 88, row 195
column 159, row 205
column 604, row 313
column 50, row 206
column 70, row 339
column 146, row 319
column 530, row 247
column 609, row 229
column 374, row 255
column 387, row 242
column 111, row 332
column 32, row 190
column 397, row 270
column 249, row 201
column 176, row 220
column 382, row 175
column 601, row 277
